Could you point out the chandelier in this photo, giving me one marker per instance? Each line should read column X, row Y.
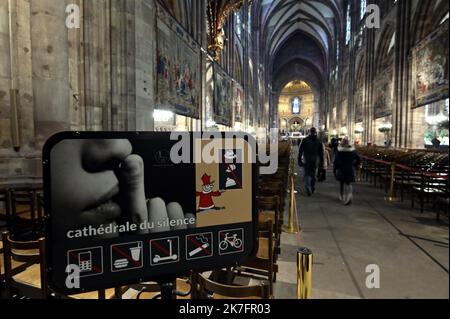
column 218, row 13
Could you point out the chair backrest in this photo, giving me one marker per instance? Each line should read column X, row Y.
column 23, row 197
column 29, row 253
column 5, row 198
column 40, row 205
column 268, row 203
column 209, row 286
column 265, row 230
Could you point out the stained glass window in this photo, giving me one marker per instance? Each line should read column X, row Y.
column 348, row 26
column 296, row 105
column 363, row 8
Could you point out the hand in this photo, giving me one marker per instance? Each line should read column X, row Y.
column 159, row 212
column 154, row 211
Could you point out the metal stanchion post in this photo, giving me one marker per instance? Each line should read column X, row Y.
column 304, row 273
column 360, row 179
column 290, row 229
column 392, row 197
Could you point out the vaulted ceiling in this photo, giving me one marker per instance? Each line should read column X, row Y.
column 299, row 39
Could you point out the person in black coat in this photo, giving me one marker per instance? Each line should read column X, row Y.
column 346, row 163
column 311, row 155
column 334, row 144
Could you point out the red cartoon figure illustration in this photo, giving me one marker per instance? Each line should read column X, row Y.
column 207, row 194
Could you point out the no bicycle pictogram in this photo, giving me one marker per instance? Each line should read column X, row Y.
column 231, row 241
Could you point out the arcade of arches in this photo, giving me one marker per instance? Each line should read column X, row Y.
column 253, row 65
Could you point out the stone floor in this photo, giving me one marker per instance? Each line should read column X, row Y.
column 411, row 249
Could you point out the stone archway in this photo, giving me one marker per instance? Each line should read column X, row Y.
column 294, row 117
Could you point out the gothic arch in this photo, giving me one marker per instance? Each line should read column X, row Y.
column 427, row 18
column 384, row 58
column 178, row 8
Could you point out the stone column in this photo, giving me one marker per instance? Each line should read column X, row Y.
column 49, row 51
column 316, row 119
column 145, row 64
column 5, row 80
column 402, row 73
column 368, row 87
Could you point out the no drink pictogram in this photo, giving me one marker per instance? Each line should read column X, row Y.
column 127, row 256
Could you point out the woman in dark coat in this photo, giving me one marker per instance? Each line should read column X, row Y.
column 345, row 165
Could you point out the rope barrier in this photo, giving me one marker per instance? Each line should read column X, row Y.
column 407, row 168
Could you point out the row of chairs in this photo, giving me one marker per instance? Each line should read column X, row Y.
column 272, row 191
column 22, row 209
column 23, row 273
column 422, row 174
column 262, row 269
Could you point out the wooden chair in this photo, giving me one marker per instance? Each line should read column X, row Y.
column 25, row 281
column 431, row 188
column 25, row 217
column 152, row 290
column 262, row 265
column 209, row 289
column 5, row 202
column 269, row 209
column 30, row 279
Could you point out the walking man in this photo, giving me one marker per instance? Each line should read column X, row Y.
column 311, row 157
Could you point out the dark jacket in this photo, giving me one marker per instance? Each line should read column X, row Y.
column 334, row 145
column 346, row 163
column 312, row 150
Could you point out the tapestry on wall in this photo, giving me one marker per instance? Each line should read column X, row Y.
column 238, row 98
column 223, row 92
column 178, row 86
column 383, row 94
column 430, row 59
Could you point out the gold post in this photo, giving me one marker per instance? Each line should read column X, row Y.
column 290, row 229
column 392, row 197
column 304, row 273
column 360, row 173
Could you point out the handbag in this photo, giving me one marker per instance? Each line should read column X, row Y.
column 322, row 175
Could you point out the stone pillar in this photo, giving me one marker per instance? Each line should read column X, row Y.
column 5, row 80
column 49, row 51
column 274, row 110
column 368, row 87
column 145, row 64
column 97, row 65
column 402, row 73
column 316, row 119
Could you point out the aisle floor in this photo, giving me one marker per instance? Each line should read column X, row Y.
column 410, row 248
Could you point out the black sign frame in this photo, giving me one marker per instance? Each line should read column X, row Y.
column 200, row 265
